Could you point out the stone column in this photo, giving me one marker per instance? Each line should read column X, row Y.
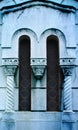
column 9, row 66
column 67, row 93
column 67, row 65
column 68, row 117
column 10, row 71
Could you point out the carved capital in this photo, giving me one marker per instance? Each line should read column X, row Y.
column 10, row 65
column 38, row 71
column 38, row 66
column 67, row 70
column 10, row 70
column 67, row 65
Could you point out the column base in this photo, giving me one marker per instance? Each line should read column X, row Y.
column 68, row 111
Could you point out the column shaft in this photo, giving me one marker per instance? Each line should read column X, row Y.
column 10, row 71
column 67, row 93
column 10, row 93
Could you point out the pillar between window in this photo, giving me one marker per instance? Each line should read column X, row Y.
column 9, row 66
column 38, row 67
column 67, row 65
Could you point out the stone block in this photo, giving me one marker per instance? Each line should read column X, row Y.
column 38, row 99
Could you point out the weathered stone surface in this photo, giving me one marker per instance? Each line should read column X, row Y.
column 38, row 20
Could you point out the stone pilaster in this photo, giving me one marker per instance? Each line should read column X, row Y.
column 38, row 98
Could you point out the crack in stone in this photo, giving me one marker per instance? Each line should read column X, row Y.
column 20, row 14
column 62, row 1
column 14, row 1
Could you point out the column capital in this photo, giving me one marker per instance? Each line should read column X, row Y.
column 38, row 71
column 38, row 66
column 10, row 70
column 10, row 65
column 67, row 70
column 67, row 65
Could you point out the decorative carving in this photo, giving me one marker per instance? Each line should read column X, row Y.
column 38, row 71
column 67, row 61
column 10, row 61
column 38, row 66
column 38, row 61
column 67, row 70
column 10, row 70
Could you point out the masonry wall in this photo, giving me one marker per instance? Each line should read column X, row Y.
column 17, row 23
column 38, row 22
column 75, row 86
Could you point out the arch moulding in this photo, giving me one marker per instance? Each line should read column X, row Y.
column 12, row 51
column 61, row 39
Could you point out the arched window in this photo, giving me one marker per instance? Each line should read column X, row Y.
column 24, row 74
column 54, row 75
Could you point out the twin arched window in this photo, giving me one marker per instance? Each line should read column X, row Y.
column 54, row 74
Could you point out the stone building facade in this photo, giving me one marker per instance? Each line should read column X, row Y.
column 38, row 65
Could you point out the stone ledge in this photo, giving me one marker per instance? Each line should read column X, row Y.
column 27, row 4
column 9, row 61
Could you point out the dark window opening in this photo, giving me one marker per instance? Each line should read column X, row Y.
column 54, row 75
column 24, row 74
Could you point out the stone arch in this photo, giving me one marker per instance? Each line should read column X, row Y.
column 15, row 40
column 61, row 38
